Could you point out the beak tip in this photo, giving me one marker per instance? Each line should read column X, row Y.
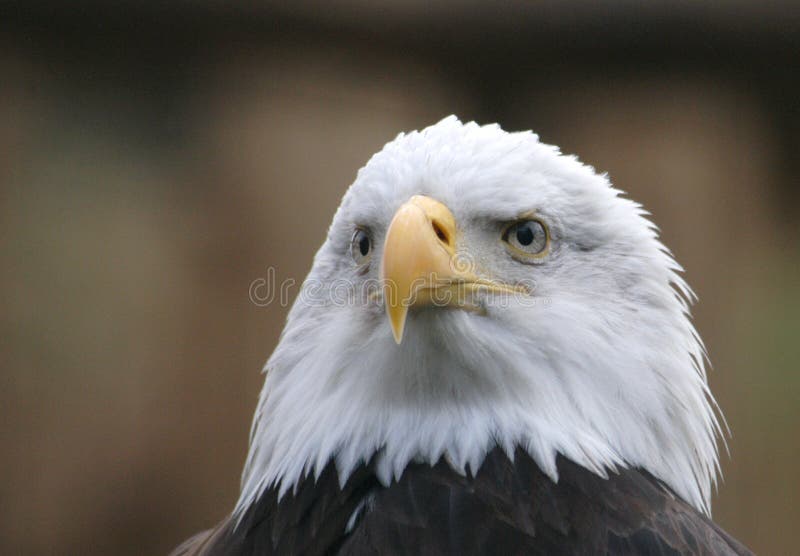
column 398, row 327
column 397, row 320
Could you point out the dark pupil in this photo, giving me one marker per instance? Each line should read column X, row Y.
column 363, row 245
column 525, row 234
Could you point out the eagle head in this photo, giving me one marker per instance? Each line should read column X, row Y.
column 478, row 289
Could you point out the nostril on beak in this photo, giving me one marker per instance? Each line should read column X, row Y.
column 440, row 233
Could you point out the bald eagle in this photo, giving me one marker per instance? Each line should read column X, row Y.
column 492, row 354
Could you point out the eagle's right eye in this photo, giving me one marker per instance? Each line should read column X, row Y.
column 361, row 247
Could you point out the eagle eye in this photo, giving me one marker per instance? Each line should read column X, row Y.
column 527, row 239
column 361, row 247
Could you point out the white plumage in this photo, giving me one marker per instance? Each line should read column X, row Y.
column 601, row 363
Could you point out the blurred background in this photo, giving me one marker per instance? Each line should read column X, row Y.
column 156, row 159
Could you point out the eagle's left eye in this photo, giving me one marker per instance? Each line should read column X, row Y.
column 526, row 239
column 361, row 247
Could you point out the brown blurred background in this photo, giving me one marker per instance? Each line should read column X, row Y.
column 155, row 160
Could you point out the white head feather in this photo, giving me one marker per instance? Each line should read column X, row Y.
column 601, row 365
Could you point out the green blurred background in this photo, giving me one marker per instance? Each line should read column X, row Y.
column 156, row 160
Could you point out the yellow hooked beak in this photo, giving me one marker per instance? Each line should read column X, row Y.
column 419, row 265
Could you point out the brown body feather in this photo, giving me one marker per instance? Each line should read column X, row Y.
column 506, row 508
